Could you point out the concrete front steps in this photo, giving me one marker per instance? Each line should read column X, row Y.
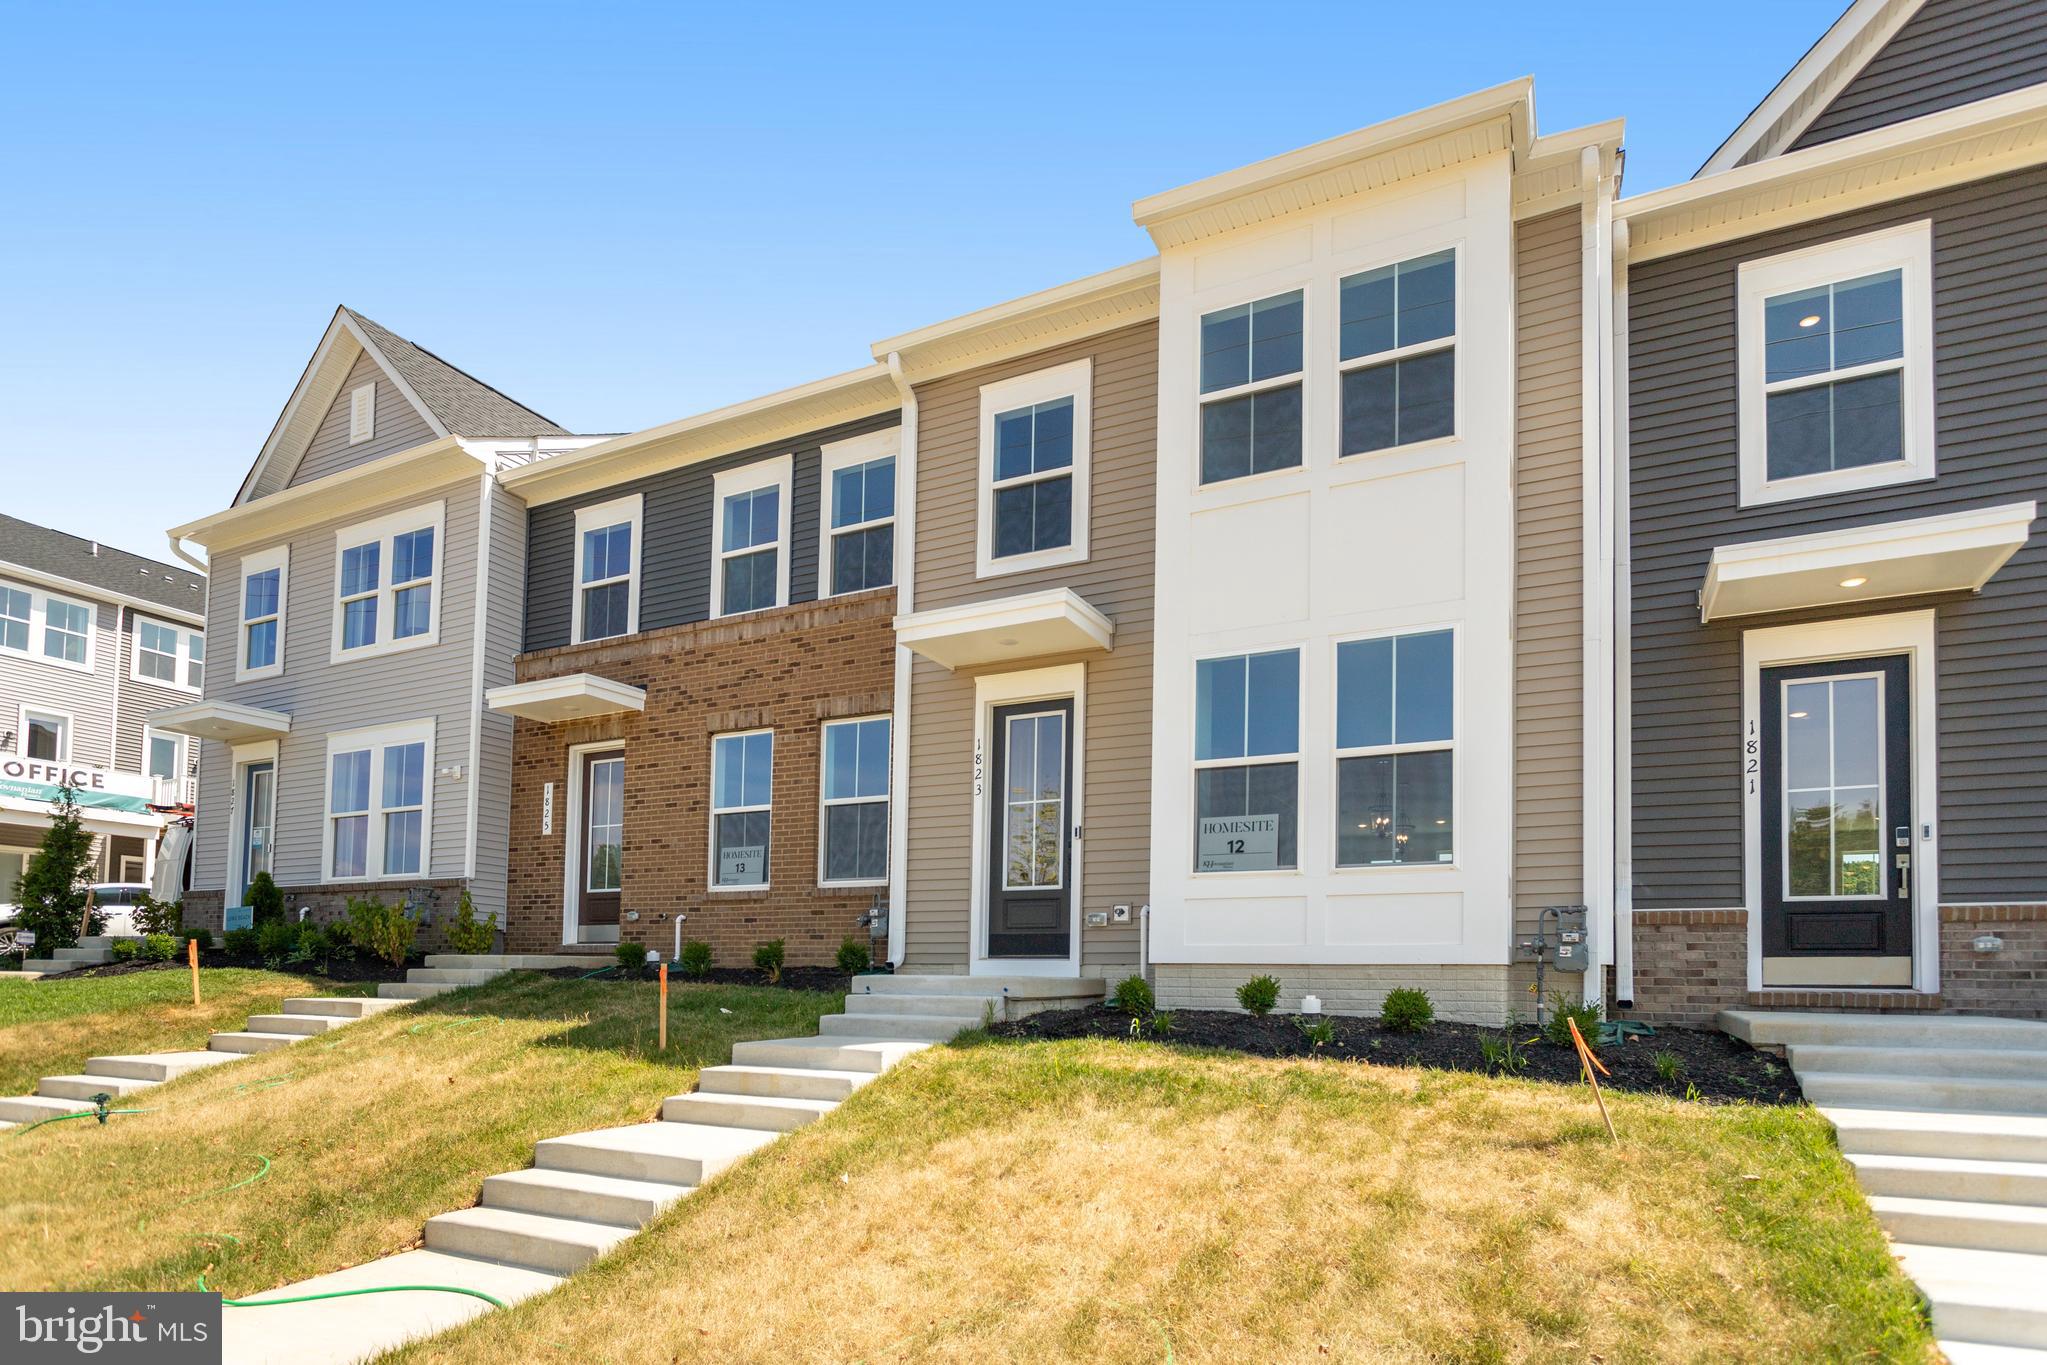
column 93, row 951
column 121, row 1077
column 446, row 972
column 935, row 1007
column 1944, row 1119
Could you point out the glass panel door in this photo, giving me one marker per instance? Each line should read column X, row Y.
column 258, row 798
column 1030, row 899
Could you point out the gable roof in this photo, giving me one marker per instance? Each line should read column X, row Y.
column 452, row 402
column 1811, row 85
column 89, row 564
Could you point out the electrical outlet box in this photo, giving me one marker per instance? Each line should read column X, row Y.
column 1119, row 914
column 1097, row 919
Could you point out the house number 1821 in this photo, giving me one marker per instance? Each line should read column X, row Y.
column 1751, row 760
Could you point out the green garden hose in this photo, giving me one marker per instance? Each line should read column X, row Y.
column 351, row 1293
column 81, row 1114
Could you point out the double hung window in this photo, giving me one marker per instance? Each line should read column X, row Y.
column 46, row 735
column 385, row 573
column 607, row 569
column 1247, row 743
column 856, row 786
column 1251, row 388
column 1395, row 731
column 378, row 798
column 742, row 808
column 261, row 638
column 168, row 655
column 1397, row 350
column 45, row 626
column 860, row 511
column 1036, row 457
column 751, row 559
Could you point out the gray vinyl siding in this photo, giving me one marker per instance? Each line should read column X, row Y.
column 1549, row 568
column 139, row 699
column 1950, row 53
column 323, row 696
column 89, row 698
column 398, row 426
column 505, row 599
column 677, row 520
column 1990, row 369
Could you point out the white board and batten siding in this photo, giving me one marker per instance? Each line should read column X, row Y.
column 1419, row 538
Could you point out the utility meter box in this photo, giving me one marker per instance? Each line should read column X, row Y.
column 1572, row 952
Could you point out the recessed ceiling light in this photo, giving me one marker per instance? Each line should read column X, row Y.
column 1855, row 582
column 1009, row 641
column 1798, row 715
column 1809, row 320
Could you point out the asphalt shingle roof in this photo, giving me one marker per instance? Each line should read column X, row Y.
column 464, row 404
column 63, row 555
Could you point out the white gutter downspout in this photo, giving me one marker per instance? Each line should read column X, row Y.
column 178, row 549
column 479, row 631
column 906, row 575
column 1623, row 625
column 1596, row 324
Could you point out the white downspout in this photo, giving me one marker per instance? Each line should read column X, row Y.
column 1623, row 625
column 1596, row 338
column 478, row 655
column 906, row 575
column 178, row 549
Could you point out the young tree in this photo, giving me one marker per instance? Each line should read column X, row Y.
column 53, row 889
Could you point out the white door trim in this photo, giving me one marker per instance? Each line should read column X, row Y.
column 572, row 831
column 1001, row 689
column 241, row 756
column 1911, row 634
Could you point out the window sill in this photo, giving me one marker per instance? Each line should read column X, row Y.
column 384, row 648
column 1037, row 559
column 1375, row 869
column 1221, row 486
column 163, row 686
column 717, row 890
column 873, row 885
column 1363, row 457
column 1246, row 872
column 1834, row 481
column 46, row 660
column 735, row 615
column 384, row 879
column 259, row 674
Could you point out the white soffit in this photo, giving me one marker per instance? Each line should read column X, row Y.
column 1039, row 625
column 1953, row 552
column 576, row 696
column 226, row 720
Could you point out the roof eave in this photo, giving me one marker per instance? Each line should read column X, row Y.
column 1095, row 303
column 362, row 486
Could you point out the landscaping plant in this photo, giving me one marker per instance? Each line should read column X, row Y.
column 239, row 943
column 266, row 902
column 854, row 957
column 1406, row 1010
column 631, row 957
column 276, row 940
column 1669, row 1066
column 1161, row 1023
column 1321, row 1033
column 768, row 958
column 1259, row 994
column 159, row 947
column 1134, row 996
column 153, row 916
column 203, row 936
column 1562, row 1011
column 383, row 931
column 1502, row 1053
column 468, row 934
column 127, row 949
column 52, row 891
column 696, row 958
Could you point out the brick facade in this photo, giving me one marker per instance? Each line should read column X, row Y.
column 1691, row 964
column 790, row 670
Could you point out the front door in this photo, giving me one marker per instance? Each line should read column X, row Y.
column 1837, row 823
column 1030, row 891
column 601, row 850
column 259, row 792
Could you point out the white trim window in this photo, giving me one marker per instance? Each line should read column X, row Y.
column 853, row 826
column 380, row 803
column 742, row 809
column 607, row 601
column 859, row 532
column 1251, row 387
column 1036, row 439
column 750, row 555
column 1396, row 729
column 45, row 735
column 260, row 638
column 1397, row 354
column 46, row 626
column 1247, row 762
column 164, row 757
column 167, row 655
column 362, row 413
column 1836, row 361
column 385, row 574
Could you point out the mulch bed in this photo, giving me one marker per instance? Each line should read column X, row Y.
column 1711, row 1066
column 828, row 979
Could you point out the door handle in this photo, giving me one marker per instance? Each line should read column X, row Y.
column 1904, row 876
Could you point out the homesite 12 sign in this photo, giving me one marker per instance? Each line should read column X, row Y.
column 1237, row 843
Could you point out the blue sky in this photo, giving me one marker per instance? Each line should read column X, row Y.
column 621, row 214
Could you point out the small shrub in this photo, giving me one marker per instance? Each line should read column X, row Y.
column 696, row 958
column 631, row 957
column 854, row 957
column 383, row 931
column 1502, row 1054
column 276, row 939
column 204, row 937
column 1133, row 995
column 467, row 933
column 240, row 943
column 1321, row 1033
column 126, row 949
column 266, row 902
column 1406, row 1010
column 1562, row 1012
column 1161, row 1023
column 768, row 958
column 1259, row 994
column 1669, row 1066
column 153, row 916
column 159, row 947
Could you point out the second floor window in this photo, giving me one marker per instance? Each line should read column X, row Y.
column 168, row 655
column 16, row 619
column 1397, row 345
column 262, row 627
column 44, row 626
column 607, row 569
column 1035, row 465
column 750, row 566
column 862, row 535
column 1251, row 388
column 385, row 576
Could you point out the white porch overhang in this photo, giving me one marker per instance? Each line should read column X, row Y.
column 1008, row 630
column 573, row 696
column 1951, row 552
column 226, row 720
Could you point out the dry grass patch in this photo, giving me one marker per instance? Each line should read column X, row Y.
column 49, row 1027
column 1109, row 1202
column 368, row 1131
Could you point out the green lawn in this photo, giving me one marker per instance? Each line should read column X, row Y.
column 50, row 1027
column 1103, row 1201
column 366, row 1132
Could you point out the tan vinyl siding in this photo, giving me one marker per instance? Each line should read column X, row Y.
column 1117, row 577
column 1549, row 577
column 398, row 427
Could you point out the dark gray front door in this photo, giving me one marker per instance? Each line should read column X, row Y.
column 1030, row 872
column 1837, row 809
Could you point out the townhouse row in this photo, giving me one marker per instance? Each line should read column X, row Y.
column 1424, row 537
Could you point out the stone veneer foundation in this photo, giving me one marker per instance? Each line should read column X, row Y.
column 1468, row 994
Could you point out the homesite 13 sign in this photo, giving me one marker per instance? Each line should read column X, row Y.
column 1237, row 843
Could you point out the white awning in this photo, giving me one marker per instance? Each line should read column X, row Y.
column 1036, row 625
column 574, row 696
column 1952, row 552
column 226, row 720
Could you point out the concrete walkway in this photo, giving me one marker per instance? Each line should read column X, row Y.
column 1944, row 1118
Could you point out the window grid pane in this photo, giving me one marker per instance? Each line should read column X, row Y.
column 14, row 618
column 1251, row 342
